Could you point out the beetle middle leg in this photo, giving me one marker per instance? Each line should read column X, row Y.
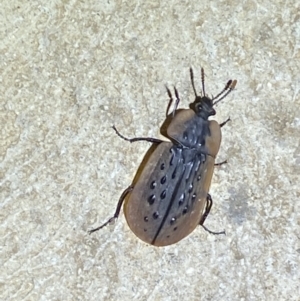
column 148, row 139
column 221, row 163
column 117, row 212
column 209, row 203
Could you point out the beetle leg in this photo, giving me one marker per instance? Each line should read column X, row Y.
column 221, row 163
column 208, row 206
column 171, row 100
column 117, row 212
column 148, row 139
column 209, row 203
column 223, row 123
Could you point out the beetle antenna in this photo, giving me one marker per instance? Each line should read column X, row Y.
column 202, row 80
column 192, row 79
column 225, row 89
column 228, row 88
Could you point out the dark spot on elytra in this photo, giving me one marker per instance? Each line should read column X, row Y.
column 185, row 135
column 193, row 197
column 198, row 178
column 175, row 228
column 153, row 185
column 163, row 180
column 151, row 199
column 163, row 194
column 185, row 210
column 173, row 220
column 174, row 174
column 155, row 215
column 162, row 166
column 146, row 219
column 190, row 188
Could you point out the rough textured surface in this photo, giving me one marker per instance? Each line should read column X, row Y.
column 69, row 70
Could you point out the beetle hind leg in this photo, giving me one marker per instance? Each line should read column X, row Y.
column 209, row 203
column 117, row 212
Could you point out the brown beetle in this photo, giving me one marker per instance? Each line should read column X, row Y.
column 170, row 197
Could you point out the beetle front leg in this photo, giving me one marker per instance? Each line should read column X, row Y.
column 223, row 123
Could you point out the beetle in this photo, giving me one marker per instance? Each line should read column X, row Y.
column 170, row 197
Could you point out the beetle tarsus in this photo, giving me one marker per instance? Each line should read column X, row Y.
column 110, row 221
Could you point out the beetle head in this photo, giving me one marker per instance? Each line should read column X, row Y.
column 203, row 105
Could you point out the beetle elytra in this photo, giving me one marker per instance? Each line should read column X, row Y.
column 170, row 197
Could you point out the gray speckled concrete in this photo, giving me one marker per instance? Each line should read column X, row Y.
column 69, row 70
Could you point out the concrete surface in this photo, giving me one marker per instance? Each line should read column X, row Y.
column 69, row 70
